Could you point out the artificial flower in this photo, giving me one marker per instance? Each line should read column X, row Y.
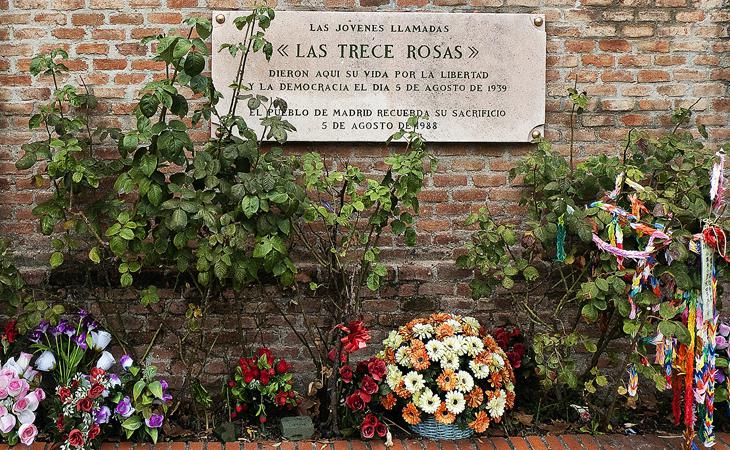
column 46, row 361
column 126, row 361
column 429, row 402
column 455, row 402
column 480, row 422
column 443, row 415
column 100, row 340
column 447, row 380
column 106, row 361
column 411, row 414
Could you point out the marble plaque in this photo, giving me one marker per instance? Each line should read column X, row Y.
column 358, row 76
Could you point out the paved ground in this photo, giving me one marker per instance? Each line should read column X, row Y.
column 564, row 442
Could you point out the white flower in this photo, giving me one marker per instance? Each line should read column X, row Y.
column 498, row 360
column 496, row 405
column 423, row 330
column 471, row 323
column 46, row 362
column 455, row 344
column 480, row 371
column 428, row 401
column 450, row 361
column 455, row 324
column 435, row 350
column 414, row 382
column 106, row 360
column 100, row 339
column 394, row 340
column 455, row 402
column 403, row 358
column 473, row 345
column 464, row 381
column 393, row 376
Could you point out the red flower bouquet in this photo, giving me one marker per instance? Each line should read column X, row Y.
column 261, row 387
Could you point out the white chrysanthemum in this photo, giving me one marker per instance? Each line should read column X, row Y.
column 435, row 350
column 403, row 358
column 455, row 344
column 455, row 324
column 471, row 323
column 393, row 376
column 473, row 345
column 496, row 405
column 423, row 330
column 428, row 401
column 480, row 371
column 413, row 382
column 498, row 360
column 455, row 402
column 450, row 361
column 394, row 340
column 464, row 381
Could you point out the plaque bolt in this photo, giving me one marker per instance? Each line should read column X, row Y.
column 537, row 21
column 535, row 134
column 220, row 18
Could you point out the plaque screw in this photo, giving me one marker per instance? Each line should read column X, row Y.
column 537, row 21
column 535, row 134
column 220, row 18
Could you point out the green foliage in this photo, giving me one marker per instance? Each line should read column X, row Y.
column 18, row 301
column 580, row 304
column 147, row 396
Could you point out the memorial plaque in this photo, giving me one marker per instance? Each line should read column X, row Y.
column 358, row 76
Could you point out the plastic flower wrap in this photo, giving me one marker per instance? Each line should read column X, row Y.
column 19, row 401
column 261, row 386
column 447, row 366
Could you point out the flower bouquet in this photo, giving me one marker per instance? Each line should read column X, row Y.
column 261, row 386
column 83, row 409
column 18, row 402
column 446, row 376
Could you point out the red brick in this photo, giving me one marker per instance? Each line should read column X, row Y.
column 653, row 76
column 614, row 45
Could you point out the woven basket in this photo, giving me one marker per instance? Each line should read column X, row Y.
column 431, row 429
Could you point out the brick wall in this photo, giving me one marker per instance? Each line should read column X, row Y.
column 637, row 58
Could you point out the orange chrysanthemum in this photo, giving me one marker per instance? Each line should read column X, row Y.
column 447, row 380
column 491, row 344
column 443, row 415
column 510, row 399
column 411, row 414
column 475, row 397
column 401, row 391
column 389, row 356
column 496, row 379
column 419, row 359
column 484, row 358
column 440, row 317
column 480, row 423
column 444, row 330
column 388, row 401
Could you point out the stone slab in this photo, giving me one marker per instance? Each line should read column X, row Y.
column 358, row 76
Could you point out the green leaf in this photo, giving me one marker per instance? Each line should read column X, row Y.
column 250, row 205
column 94, row 255
column 194, row 63
column 138, row 388
column 156, row 388
column 179, row 219
column 26, row 162
column 133, row 422
column 148, row 105
column 126, row 279
column 56, row 259
column 148, row 164
column 130, row 142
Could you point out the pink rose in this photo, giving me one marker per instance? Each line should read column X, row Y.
column 18, row 388
column 27, row 433
column 20, row 405
column 7, row 423
column 40, row 394
column 3, row 393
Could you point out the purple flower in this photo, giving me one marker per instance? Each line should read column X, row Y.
column 124, row 408
column 720, row 342
column 114, row 380
column 35, row 336
column 83, row 313
column 102, row 415
column 42, row 326
column 81, row 340
column 164, row 384
column 155, row 421
column 126, row 361
column 723, row 329
column 63, row 328
column 719, row 376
